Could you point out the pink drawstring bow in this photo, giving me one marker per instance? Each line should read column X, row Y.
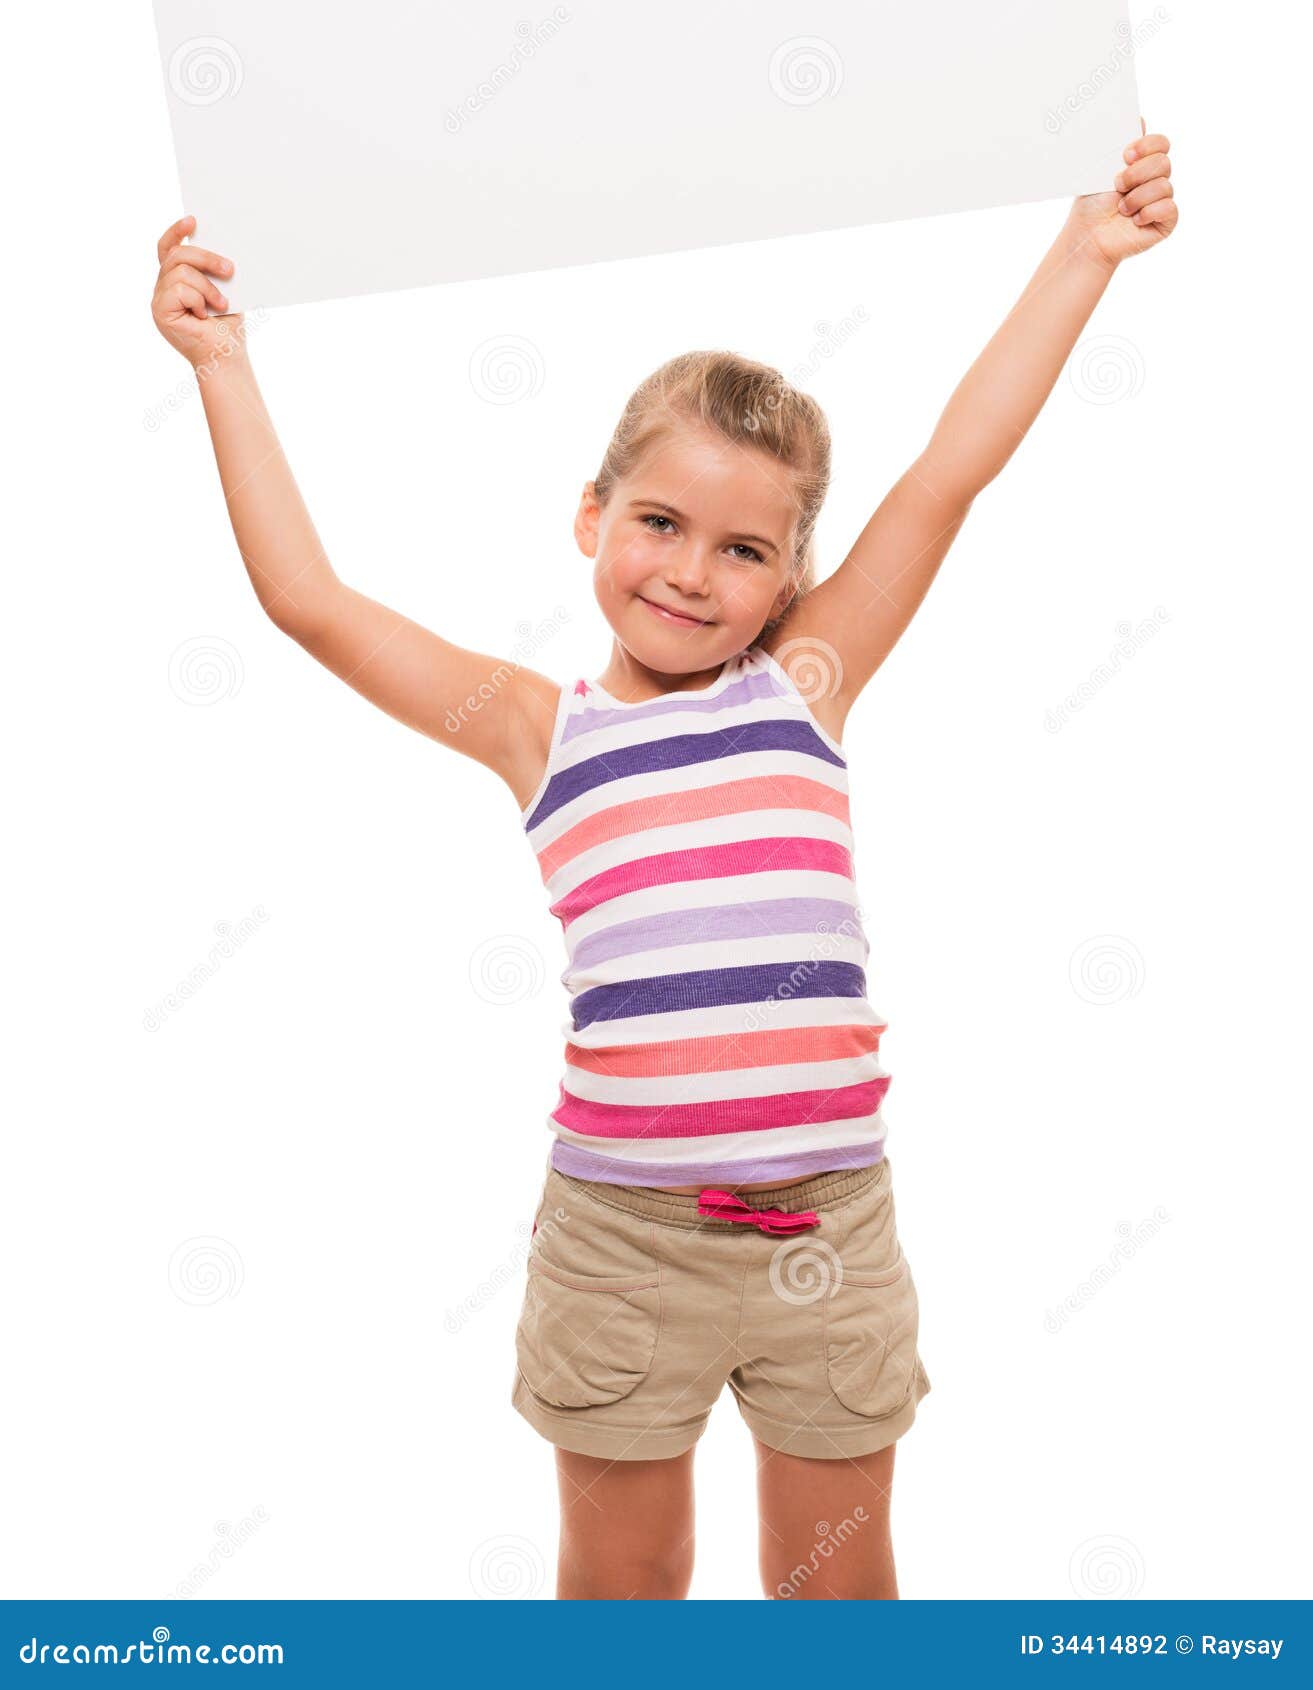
column 724, row 1206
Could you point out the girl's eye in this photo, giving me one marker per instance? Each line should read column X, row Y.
column 744, row 552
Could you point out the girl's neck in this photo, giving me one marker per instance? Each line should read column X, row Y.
column 632, row 682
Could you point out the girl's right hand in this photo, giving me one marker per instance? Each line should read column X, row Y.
column 182, row 292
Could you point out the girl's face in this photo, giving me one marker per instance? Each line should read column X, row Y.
column 692, row 550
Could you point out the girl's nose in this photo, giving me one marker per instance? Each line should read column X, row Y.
column 689, row 573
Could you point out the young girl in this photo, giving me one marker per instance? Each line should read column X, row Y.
column 718, row 1205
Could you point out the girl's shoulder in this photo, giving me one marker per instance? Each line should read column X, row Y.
column 533, row 728
column 806, row 670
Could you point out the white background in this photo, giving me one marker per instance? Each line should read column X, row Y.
column 361, row 1127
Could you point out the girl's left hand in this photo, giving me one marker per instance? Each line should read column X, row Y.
column 1140, row 213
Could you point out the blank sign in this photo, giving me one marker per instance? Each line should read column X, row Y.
column 333, row 148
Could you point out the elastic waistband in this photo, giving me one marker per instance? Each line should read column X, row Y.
column 673, row 1208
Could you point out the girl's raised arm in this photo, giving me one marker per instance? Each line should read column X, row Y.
column 489, row 708
column 860, row 610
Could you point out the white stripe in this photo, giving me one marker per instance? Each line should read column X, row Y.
column 674, row 724
column 804, row 948
column 656, row 783
column 772, row 1142
column 716, row 1087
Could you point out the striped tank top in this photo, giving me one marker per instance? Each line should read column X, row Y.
column 697, row 851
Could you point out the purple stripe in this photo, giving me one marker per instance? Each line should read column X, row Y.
column 681, row 751
column 745, row 691
column 587, row 1164
column 764, row 919
column 717, row 988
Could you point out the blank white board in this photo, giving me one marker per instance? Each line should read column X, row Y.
column 334, row 148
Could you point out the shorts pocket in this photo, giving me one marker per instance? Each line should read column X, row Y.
column 871, row 1316
column 870, row 1339
column 585, row 1337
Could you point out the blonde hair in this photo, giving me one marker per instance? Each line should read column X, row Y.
column 747, row 403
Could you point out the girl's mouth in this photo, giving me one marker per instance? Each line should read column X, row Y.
column 675, row 616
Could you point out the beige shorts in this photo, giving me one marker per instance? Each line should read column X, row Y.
column 638, row 1311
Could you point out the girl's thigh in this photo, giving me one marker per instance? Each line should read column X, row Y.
column 824, row 1525
column 626, row 1528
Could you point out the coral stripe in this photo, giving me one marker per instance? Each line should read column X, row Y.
column 669, row 809
column 717, row 1052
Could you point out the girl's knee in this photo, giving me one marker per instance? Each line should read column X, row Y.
column 604, row 1574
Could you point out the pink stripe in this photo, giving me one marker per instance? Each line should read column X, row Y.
column 671, row 809
column 708, row 862
column 724, row 1115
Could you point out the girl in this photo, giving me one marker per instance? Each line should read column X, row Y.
column 718, row 1206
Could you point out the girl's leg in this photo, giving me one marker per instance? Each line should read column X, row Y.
column 824, row 1525
column 626, row 1528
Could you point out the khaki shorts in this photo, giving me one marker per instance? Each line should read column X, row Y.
column 638, row 1311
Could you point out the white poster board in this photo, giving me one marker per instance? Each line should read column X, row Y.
column 333, row 148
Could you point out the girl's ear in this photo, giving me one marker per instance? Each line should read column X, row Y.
column 586, row 519
column 779, row 605
column 784, row 598
column 799, row 581
column 783, row 601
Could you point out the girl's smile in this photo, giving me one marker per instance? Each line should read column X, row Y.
column 677, row 617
